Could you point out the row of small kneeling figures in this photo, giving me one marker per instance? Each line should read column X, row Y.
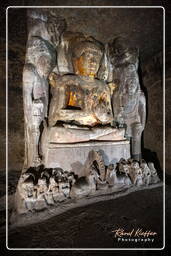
column 133, row 172
column 40, row 189
column 50, row 186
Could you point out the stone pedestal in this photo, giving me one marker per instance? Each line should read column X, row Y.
column 72, row 157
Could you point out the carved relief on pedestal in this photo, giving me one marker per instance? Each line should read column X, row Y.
column 40, row 187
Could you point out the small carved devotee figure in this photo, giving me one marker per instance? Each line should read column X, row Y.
column 115, row 179
column 154, row 176
column 58, row 194
column 120, row 165
column 123, row 179
column 138, row 177
column 92, row 182
column 52, row 189
column 29, row 194
column 126, row 169
column 134, row 168
column 123, row 167
column 49, row 197
column 41, row 187
column 53, row 185
column 41, row 193
column 146, row 172
column 64, row 187
column 111, row 175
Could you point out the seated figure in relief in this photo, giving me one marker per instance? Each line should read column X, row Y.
column 81, row 99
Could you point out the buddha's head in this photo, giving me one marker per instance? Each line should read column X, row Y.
column 87, row 56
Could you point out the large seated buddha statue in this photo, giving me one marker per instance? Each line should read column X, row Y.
column 81, row 98
column 80, row 107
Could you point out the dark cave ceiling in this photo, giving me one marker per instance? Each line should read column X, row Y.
column 143, row 27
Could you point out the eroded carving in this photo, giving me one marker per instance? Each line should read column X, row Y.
column 129, row 104
column 40, row 60
column 52, row 186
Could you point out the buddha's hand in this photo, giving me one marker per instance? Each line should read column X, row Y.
column 103, row 113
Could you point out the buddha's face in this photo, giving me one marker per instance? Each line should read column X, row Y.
column 88, row 63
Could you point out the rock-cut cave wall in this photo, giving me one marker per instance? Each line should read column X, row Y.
column 103, row 24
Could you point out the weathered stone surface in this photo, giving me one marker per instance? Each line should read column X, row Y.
column 40, row 188
column 129, row 102
column 80, row 134
column 72, row 157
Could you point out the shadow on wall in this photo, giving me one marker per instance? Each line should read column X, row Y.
column 150, row 75
column 147, row 154
column 150, row 156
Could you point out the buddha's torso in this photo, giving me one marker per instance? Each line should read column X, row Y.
column 82, row 100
